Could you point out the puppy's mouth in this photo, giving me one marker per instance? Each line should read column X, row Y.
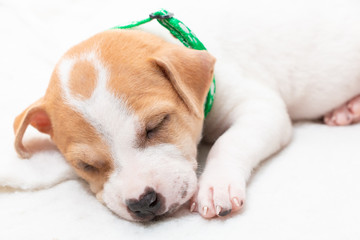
column 173, row 208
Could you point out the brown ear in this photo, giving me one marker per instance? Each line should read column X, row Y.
column 35, row 115
column 190, row 72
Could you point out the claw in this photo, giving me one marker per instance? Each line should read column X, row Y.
column 236, row 201
column 218, row 210
column 205, row 210
column 193, row 206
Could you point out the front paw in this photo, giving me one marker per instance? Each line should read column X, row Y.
column 218, row 196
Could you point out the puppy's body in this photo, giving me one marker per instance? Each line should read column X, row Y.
column 271, row 69
column 295, row 65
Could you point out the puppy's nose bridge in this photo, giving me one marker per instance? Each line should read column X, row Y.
column 148, row 205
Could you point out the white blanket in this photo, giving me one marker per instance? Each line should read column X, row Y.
column 310, row 190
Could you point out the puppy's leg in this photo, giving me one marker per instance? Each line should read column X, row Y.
column 261, row 127
column 344, row 115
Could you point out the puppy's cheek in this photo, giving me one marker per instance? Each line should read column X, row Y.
column 194, row 164
column 191, row 187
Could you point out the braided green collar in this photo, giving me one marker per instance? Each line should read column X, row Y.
column 184, row 34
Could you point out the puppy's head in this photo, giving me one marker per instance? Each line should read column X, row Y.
column 125, row 108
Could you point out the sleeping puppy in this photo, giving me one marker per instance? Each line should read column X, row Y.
column 125, row 107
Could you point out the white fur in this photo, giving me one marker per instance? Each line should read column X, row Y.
column 135, row 168
column 272, row 67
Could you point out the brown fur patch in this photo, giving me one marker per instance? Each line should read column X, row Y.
column 82, row 80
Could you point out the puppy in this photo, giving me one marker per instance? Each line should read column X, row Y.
column 125, row 107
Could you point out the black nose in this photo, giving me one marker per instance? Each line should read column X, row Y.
column 147, row 206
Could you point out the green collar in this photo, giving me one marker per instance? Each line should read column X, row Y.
column 184, row 34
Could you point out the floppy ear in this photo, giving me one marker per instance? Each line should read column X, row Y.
column 35, row 115
column 190, row 72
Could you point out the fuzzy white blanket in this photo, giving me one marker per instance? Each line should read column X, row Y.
column 310, row 190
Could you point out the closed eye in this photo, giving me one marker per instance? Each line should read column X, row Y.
column 153, row 127
column 87, row 167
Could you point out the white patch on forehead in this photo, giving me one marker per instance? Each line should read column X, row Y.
column 106, row 112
